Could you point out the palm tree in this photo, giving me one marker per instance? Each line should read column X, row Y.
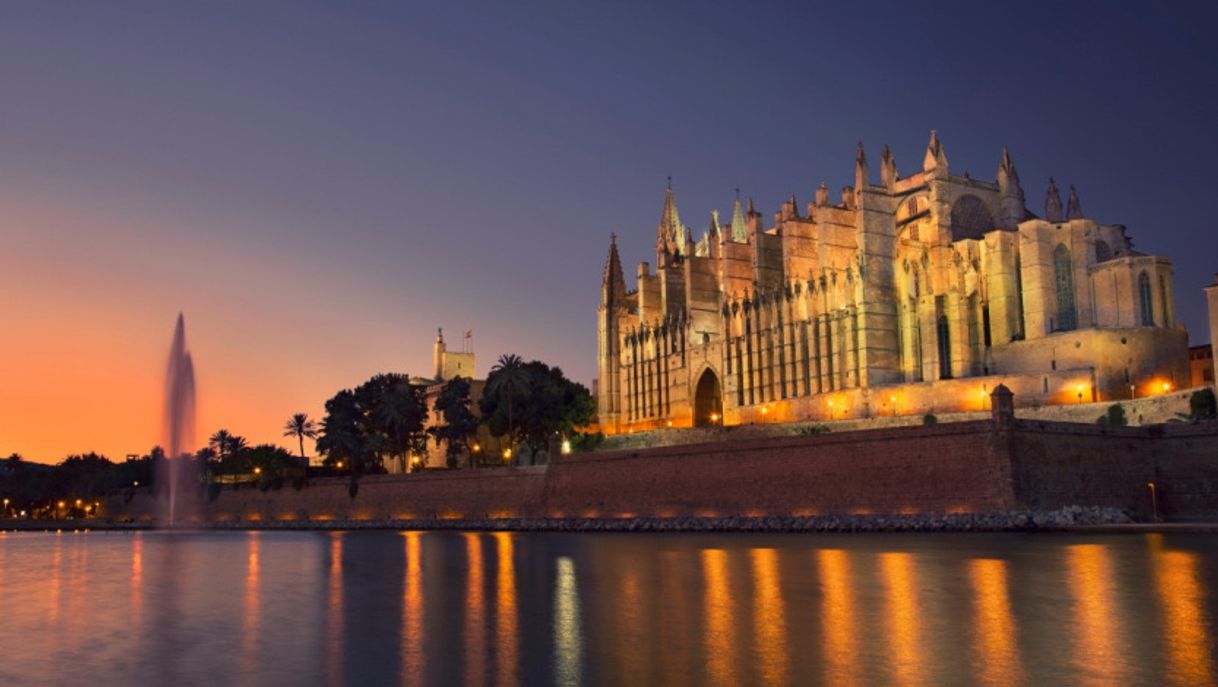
column 220, row 442
column 507, row 378
column 300, row 426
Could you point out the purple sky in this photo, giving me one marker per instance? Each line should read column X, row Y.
column 320, row 186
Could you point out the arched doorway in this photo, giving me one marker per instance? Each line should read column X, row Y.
column 708, row 401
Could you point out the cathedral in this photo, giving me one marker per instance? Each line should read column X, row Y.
column 913, row 295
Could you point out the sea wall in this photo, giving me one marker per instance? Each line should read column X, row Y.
column 976, row 466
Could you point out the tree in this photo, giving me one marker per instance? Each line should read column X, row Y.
column 457, row 422
column 1202, row 405
column 533, row 403
column 506, row 385
column 220, row 442
column 300, row 426
column 399, row 418
column 341, row 439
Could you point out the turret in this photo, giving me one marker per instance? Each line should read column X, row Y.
column 739, row 229
column 860, row 168
column 1011, row 198
column 437, row 355
column 1074, row 210
column 1053, row 203
column 888, row 168
column 613, row 303
column 822, row 195
column 670, row 235
column 935, row 157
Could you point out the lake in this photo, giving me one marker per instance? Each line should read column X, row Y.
column 452, row 608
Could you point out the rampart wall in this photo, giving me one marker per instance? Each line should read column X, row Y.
column 974, row 466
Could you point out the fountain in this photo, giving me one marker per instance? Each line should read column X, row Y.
column 179, row 421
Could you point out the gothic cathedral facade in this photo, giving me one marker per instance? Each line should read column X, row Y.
column 913, row 295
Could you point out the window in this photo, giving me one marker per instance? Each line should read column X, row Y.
column 1067, row 317
column 1163, row 301
column 1144, row 300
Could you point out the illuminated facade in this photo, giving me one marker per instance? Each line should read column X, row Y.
column 915, row 294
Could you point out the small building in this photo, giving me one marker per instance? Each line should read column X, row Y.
column 1201, row 364
column 449, row 365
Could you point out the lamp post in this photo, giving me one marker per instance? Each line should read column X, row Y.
column 1079, row 389
column 893, row 400
column 1133, row 388
column 764, row 411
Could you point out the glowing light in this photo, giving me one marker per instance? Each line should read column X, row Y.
column 714, row 418
column 475, row 625
column 566, row 445
column 770, row 627
column 257, row 471
column 477, row 448
column 412, row 617
column 507, row 454
column 505, row 612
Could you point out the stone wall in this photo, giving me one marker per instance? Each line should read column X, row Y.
column 975, row 466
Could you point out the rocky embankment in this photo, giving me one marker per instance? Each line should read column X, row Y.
column 1012, row 521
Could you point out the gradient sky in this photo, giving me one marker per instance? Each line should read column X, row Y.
column 319, row 186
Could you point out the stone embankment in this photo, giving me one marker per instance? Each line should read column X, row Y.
column 1011, row 521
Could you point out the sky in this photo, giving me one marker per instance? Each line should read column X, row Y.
column 318, row 186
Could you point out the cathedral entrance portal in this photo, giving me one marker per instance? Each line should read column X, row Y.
column 708, row 401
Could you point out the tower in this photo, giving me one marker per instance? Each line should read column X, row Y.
column 608, row 340
column 437, row 355
column 1011, row 198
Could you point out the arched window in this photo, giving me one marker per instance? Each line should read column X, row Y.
column 945, row 349
column 1163, row 301
column 1144, row 300
column 1063, row 269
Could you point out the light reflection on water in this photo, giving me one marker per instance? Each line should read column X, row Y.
column 445, row 608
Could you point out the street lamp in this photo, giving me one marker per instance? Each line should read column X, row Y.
column 257, row 471
column 1132, row 390
column 1079, row 389
column 893, row 400
column 764, row 411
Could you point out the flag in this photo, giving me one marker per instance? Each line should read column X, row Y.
column 469, row 333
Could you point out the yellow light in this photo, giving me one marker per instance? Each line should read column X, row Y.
column 78, row 502
column 477, row 448
column 257, row 471
column 339, row 465
column 714, row 417
column 670, row 423
column 507, row 453
column 764, row 410
column 566, row 445
column 136, row 483
column 1166, row 387
column 894, row 398
column 983, row 393
column 1079, row 388
column 61, row 504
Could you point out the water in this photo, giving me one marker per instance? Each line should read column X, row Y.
column 179, row 414
column 447, row 608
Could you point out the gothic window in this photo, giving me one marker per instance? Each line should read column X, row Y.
column 971, row 219
column 1067, row 317
column 945, row 349
column 1144, row 300
column 1103, row 252
column 1163, row 300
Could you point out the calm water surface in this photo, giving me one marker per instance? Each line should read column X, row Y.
column 442, row 608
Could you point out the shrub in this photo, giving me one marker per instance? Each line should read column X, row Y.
column 1202, row 405
column 1114, row 417
column 930, row 419
column 811, row 430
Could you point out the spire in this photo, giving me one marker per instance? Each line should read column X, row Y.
column 888, row 168
column 1073, row 209
column 613, row 284
column 935, row 158
column 671, row 234
column 713, row 230
column 1008, row 177
column 1053, row 203
column 861, row 178
column 739, row 232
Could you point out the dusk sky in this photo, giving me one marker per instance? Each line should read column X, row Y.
column 319, row 186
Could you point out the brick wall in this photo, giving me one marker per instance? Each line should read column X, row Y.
column 980, row 465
